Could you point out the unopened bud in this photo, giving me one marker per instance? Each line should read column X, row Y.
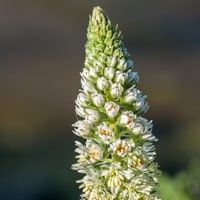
column 102, row 83
column 112, row 109
column 121, row 77
column 109, row 73
column 116, row 90
column 126, row 118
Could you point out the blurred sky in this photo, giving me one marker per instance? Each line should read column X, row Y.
column 41, row 56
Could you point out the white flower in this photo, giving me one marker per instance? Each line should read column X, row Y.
column 112, row 109
column 105, row 132
column 149, row 137
column 115, row 178
column 126, row 118
column 133, row 78
column 93, row 188
column 109, row 73
column 142, row 125
column 102, row 83
column 85, row 73
column 80, row 111
column 121, row 147
column 87, row 86
column 95, row 152
column 82, row 99
column 115, row 181
column 98, row 99
column 83, row 128
column 128, row 173
column 93, row 73
column 122, row 65
column 92, row 115
column 89, row 74
column 141, row 104
column 121, row 77
column 130, row 95
column 116, row 90
column 138, row 127
column 139, row 161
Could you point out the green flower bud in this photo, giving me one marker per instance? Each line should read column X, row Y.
column 105, row 132
column 109, row 73
column 95, row 152
column 98, row 99
column 111, row 61
column 83, row 128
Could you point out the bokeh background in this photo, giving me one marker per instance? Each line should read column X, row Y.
column 41, row 56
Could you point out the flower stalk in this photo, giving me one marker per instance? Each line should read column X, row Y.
column 117, row 158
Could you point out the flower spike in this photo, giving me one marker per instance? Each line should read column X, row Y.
column 117, row 158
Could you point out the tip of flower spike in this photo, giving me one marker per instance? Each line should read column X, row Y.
column 97, row 14
column 97, row 10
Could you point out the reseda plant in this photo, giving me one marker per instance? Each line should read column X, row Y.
column 117, row 158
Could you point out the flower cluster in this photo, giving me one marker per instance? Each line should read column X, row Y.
column 117, row 158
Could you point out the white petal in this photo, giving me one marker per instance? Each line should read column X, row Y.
column 102, row 83
column 98, row 99
column 112, row 109
column 92, row 115
column 116, row 90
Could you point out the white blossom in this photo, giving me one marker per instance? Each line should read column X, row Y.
column 122, row 65
column 87, row 86
column 116, row 90
column 133, row 78
column 109, row 73
column 98, row 65
column 92, row 115
column 102, row 83
column 142, row 126
column 98, row 99
column 121, row 77
column 80, row 111
column 85, row 73
column 126, row 118
column 93, row 73
column 141, row 104
column 105, row 132
column 111, row 61
column 115, row 178
column 115, row 181
column 130, row 96
column 83, row 127
column 111, row 109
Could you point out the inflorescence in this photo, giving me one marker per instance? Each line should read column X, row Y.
column 117, row 158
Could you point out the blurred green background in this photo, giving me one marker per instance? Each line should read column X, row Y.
column 41, row 56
